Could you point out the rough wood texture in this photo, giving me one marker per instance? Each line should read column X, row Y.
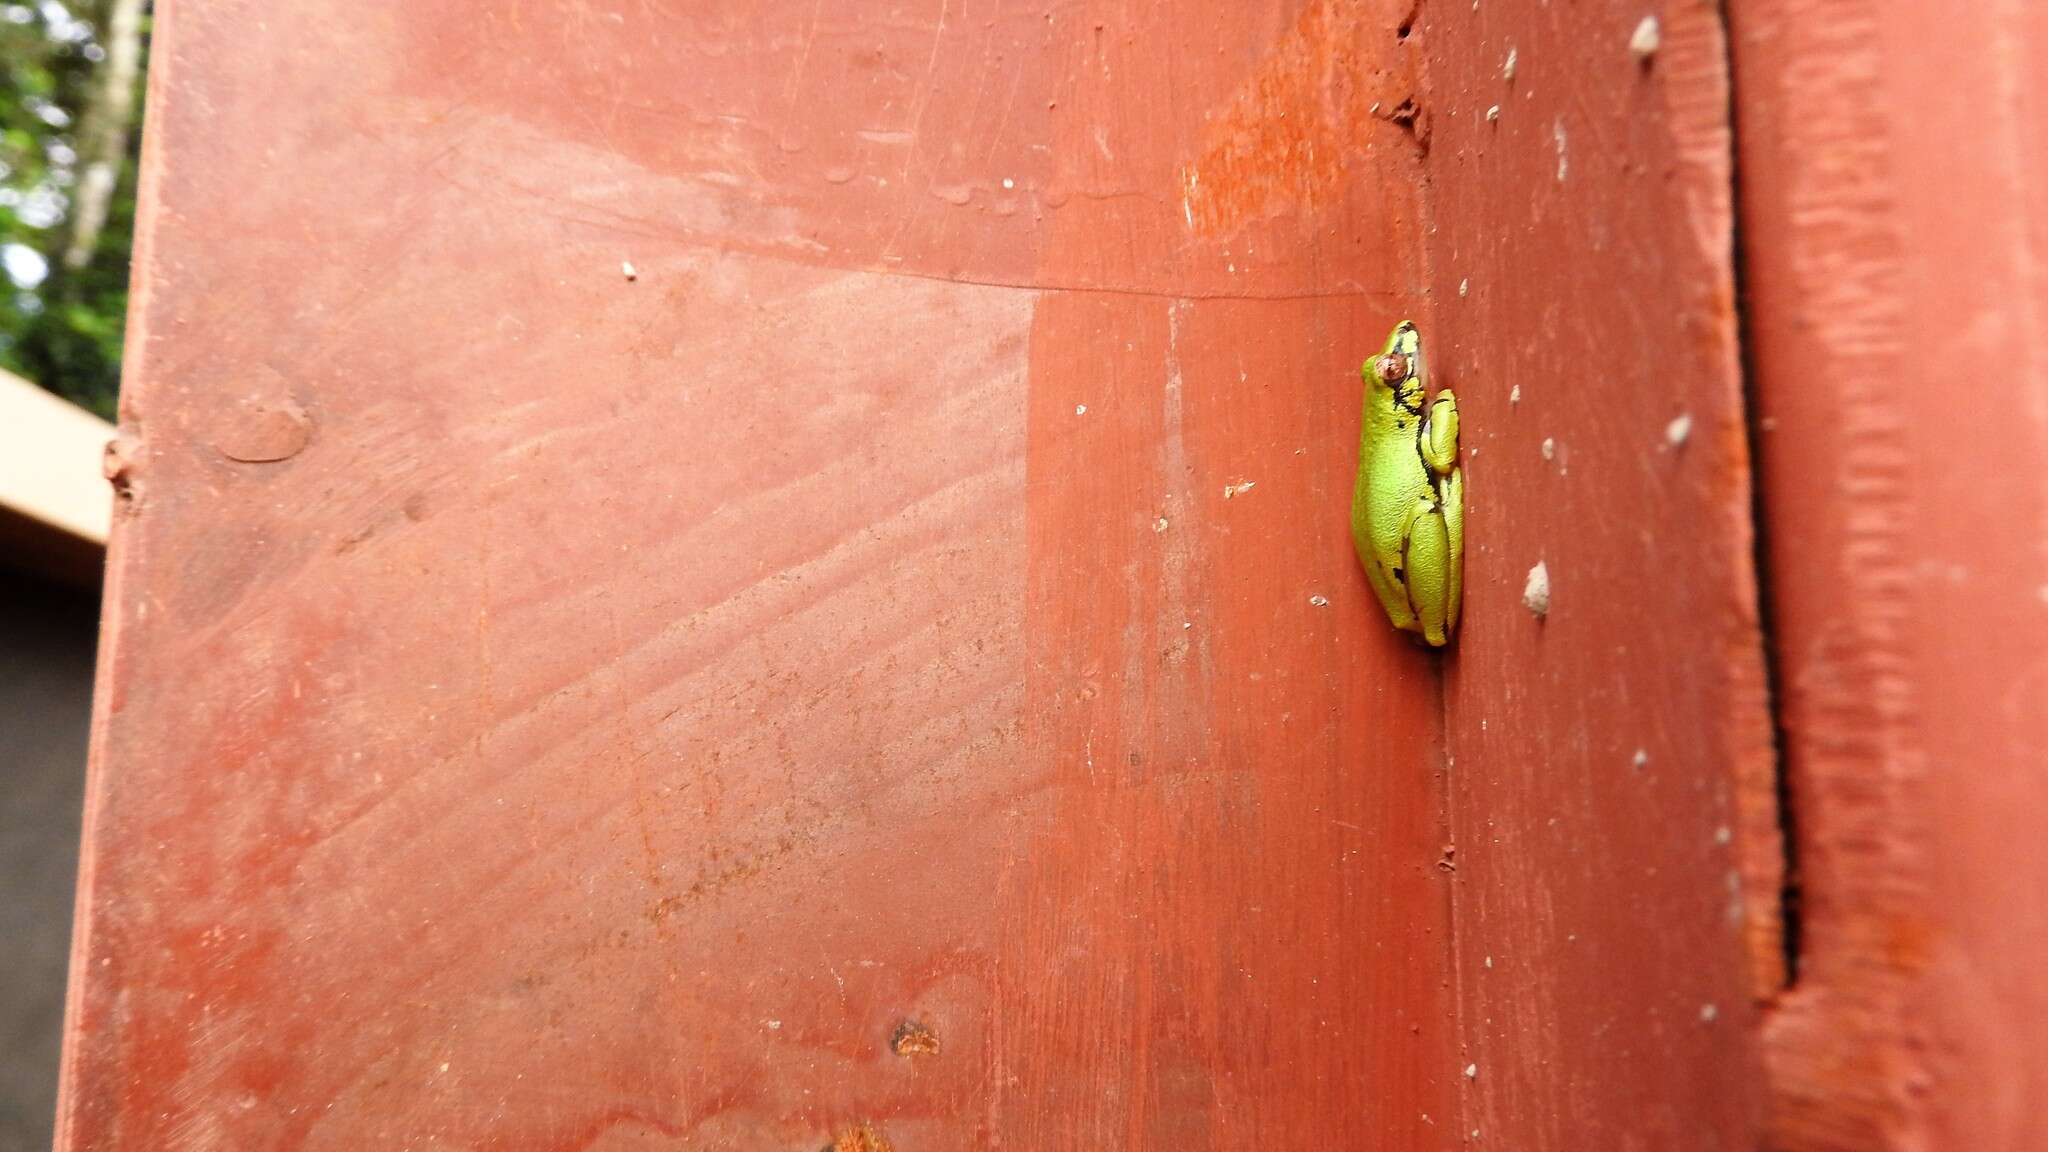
column 1895, row 192
column 1615, row 904
column 887, row 668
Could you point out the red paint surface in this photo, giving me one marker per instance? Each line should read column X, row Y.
column 1614, row 912
column 637, row 697
column 1896, row 188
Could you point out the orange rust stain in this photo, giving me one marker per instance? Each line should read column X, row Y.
column 1284, row 140
column 860, row 1138
column 914, row 1039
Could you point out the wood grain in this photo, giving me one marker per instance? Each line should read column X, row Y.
column 1615, row 900
column 547, row 706
column 1895, row 188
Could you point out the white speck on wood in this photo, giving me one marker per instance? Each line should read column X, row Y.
column 1239, row 488
column 1563, row 161
column 1515, row 394
column 1080, row 409
column 1536, row 591
column 1549, row 448
column 1471, row 1071
column 1464, row 286
column 1507, row 67
column 627, row 269
column 1679, row 430
column 1492, row 113
column 1708, row 1013
column 1646, row 39
column 1319, row 601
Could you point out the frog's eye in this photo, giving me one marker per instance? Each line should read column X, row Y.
column 1391, row 368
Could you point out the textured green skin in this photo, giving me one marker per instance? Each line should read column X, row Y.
column 1408, row 506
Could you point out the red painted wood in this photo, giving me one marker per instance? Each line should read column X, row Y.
column 1895, row 188
column 1615, row 898
column 550, row 705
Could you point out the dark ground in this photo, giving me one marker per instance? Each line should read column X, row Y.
column 47, row 638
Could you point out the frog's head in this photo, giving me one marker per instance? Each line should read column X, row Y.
column 1399, row 365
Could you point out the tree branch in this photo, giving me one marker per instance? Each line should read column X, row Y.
column 104, row 131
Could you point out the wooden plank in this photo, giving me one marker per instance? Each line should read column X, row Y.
column 781, row 577
column 50, row 452
column 1895, row 187
column 608, row 708
column 1611, row 783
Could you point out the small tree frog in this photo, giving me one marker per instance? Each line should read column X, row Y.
column 1408, row 506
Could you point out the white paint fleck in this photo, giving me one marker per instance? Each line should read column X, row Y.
column 1723, row 834
column 1679, row 430
column 1563, row 161
column 1239, row 488
column 1549, row 448
column 1646, row 39
column 1515, row 394
column 1080, row 409
column 1709, row 1013
column 1507, row 67
column 626, row 269
column 1008, row 183
column 1159, row 525
column 1464, row 286
column 1536, row 591
column 1489, row 962
column 1320, row 601
column 1471, row 1071
column 1492, row 113
column 1640, row 760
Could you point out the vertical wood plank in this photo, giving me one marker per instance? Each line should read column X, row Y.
column 1611, row 808
column 1895, row 159
column 744, row 700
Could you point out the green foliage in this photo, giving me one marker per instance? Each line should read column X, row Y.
column 64, row 329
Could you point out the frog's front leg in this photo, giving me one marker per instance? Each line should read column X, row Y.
column 1439, row 437
column 1452, row 502
column 1427, row 572
column 1438, row 442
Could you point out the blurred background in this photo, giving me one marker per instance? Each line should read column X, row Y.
column 70, row 118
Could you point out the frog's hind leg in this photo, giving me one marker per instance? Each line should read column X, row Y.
column 1384, row 578
column 1429, row 578
column 1393, row 594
